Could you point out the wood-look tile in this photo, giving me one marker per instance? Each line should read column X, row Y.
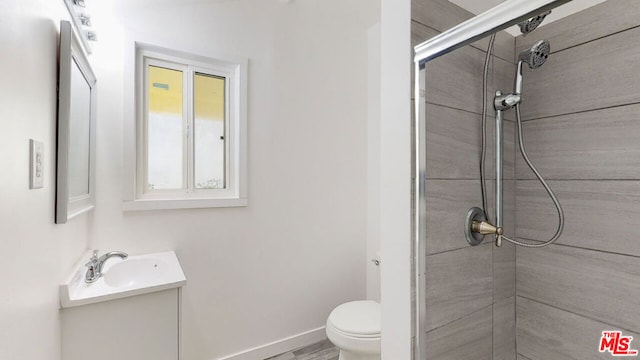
column 458, row 283
column 502, row 70
column 285, row 356
column 453, row 143
column 599, row 74
column 508, row 203
column 504, row 271
column 597, row 285
column 442, row 15
column 504, row 329
column 439, row 14
column 455, row 79
column 601, row 215
column 447, row 204
column 509, row 206
column 503, row 79
column 503, row 46
column 324, row 354
column 466, row 338
column 500, row 77
column 600, row 144
column 545, row 332
column 420, row 33
column 592, row 23
column 322, row 350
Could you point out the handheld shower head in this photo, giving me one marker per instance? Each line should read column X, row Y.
column 528, row 26
column 534, row 57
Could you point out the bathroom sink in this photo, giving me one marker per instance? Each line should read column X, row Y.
column 136, row 275
column 135, row 272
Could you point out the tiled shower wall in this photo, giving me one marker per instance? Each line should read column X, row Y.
column 470, row 291
column 582, row 130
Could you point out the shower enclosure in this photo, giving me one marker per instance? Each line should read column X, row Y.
column 580, row 98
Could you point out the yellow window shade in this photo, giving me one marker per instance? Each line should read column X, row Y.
column 165, row 90
column 209, row 97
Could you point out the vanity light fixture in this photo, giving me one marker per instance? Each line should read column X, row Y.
column 85, row 19
column 91, row 35
column 81, row 22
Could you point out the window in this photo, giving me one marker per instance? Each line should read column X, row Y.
column 189, row 132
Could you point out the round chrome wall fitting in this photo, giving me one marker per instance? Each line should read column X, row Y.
column 474, row 214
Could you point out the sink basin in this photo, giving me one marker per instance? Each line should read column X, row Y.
column 136, row 275
column 135, row 272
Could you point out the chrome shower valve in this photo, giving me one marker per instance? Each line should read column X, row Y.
column 485, row 228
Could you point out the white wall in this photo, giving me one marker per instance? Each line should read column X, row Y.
column 277, row 267
column 36, row 254
column 256, row 274
column 373, row 164
column 395, row 198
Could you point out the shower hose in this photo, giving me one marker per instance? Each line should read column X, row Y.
column 523, row 151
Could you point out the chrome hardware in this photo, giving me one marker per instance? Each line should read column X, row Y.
column 95, row 264
column 90, row 275
column 484, row 228
column 474, row 214
column 85, row 19
column 506, row 101
column 476, row 227
column 531, row 24
column 91, row 35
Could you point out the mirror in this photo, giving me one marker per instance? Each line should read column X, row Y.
column 76, row 129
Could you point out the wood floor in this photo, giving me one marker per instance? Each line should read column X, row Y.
column 323, row 350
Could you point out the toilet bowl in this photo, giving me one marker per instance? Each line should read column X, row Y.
column 354, row 328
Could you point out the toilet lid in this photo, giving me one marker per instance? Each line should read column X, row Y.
column 357, row 318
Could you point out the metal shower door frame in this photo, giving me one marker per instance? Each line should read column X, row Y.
column 495, row 19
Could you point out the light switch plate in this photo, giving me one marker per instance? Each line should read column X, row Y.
column 36, row 173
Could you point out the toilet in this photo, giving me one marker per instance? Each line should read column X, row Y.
column 354, row 328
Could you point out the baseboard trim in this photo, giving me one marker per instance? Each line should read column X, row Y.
column 280, row 346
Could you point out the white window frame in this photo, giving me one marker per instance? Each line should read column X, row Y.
column 136, row 196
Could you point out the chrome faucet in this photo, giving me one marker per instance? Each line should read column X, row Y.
column 95, row 264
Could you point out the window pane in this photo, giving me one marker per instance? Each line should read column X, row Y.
column 165, row 129
column 209, row 137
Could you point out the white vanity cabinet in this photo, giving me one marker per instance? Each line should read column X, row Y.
column 131, row 312
column 141, row 327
